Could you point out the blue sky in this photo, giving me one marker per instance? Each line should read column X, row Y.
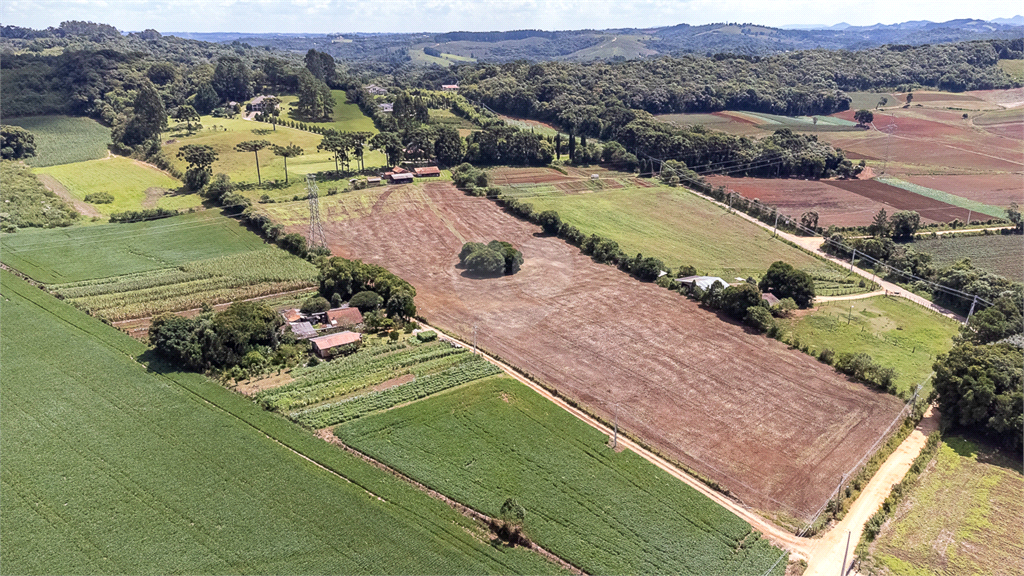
column 327, row 16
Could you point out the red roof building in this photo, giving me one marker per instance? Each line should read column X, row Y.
column 427, row 171
column 344, row 316
column 325, row 344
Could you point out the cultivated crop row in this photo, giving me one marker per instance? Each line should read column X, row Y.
column 473, row 368
column 357, row 372
column 212, row 281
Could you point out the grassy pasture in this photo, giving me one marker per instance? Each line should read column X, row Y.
column 420, row 57
column 64, row 139
column 961, row 517
column 78, row 254
column 112, row 468
column 1003, row 255
column 991, row 117
column 1015, row 68
column 679, row 228
column 126, row 180
column 347, row 116
column 895, row 332
column 607, row 512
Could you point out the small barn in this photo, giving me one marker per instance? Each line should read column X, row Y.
column 450, row 87
column 373, row 181
column 703, row 282
column 292, row 315
column 344, row 316
column 325, row 346
column 401, row 178
column 769, row 298
column 303, row 330
column 427, row 172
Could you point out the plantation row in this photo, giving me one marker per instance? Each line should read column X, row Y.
column 213, row 281
column 360, row 370
column 472, row 367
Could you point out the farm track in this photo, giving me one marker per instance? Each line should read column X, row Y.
column 680, row 374
column 83, row 208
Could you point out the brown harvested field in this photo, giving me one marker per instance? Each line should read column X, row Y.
column 509, row 176
column 793, row 197
column 992, row 189
column 930, row 141
column 839, row 202
column 931, row 210
column 1011, row 98
column 773, row 425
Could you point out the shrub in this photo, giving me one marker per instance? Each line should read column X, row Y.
column 99, row 198
column 827, row 356
column 314, row 305
column 760, row 318
column 393, row 335
column 427, row 336
column 784, row 308
column 366, row 301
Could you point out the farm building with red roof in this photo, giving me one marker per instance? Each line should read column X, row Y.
column 325, row 345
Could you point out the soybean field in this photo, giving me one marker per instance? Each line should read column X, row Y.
column 607, row 512
column 64, row 139
column 110, row 467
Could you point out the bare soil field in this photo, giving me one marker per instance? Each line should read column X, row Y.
column 992, row 189
column 839, row 202
column 771, row 424
column 835, row 206
column 930, row 141
column 509, row 176
column 931, row 210
column 1011, row 98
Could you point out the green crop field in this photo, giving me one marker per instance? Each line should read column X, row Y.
column 133, row 185
column 1015, row 68
column 679, row 228
column 77, row 254
column 961, row 517
column 980, row 209
column 420, row 57
column 326, row 394
column 112, row 468
column 64, row 139
column 998, row 254
column 607, row 512
column 895, row 332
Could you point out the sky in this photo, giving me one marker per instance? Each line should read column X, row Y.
column 340, row 16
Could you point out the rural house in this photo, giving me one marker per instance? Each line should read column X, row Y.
column 702, row 282
column 344, row 316
column 325, row 346
column 303, row 330
column 292, row 315
column 256, row 105
column 386, row 107
column 375, row 90
column 769, row 298
column 403, row 178
column 449, row 87
column 427, row 171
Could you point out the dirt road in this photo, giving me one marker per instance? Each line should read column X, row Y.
column 798, row 547
column 826, row 554
column 54, row 185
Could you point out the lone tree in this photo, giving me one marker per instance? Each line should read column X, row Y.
column 881, row 102
column 199, row 158
column 492, row 259
column 863, row 117
column 16, row 143
column 904, row 224
column 512, row 515
column 809, row 220
column 879, row 227
column 787, row 282
column 286, row 152
column 187, row 114
column 254, row 146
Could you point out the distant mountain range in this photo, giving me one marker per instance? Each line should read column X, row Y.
column 626, row 43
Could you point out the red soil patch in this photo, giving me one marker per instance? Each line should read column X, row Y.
column 739, row 118
column 1014, row 130
column 773, row 425
column 509, row 176
column 834, row 205
column 992, row 189
column 899, row 199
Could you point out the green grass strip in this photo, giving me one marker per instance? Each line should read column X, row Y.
column 946, row 197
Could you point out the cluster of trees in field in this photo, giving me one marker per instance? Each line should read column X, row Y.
column 492, row 259
column 16, row 143
column 341, row 280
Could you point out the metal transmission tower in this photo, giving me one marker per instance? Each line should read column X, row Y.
column 316, row 228
column 889, row 130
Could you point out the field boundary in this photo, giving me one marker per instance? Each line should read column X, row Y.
column 327, row 435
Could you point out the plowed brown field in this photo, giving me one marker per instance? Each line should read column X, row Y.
column 771, row 424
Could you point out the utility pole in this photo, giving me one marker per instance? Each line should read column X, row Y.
column 973, row 304
column 776, row 230
column 316, row 228
column 849, row 317
column 889, row 130
column 474, row 339
column 842, row 571
column 852, row 258
column 969, row 213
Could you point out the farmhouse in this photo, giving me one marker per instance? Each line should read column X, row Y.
column 375, row 90
column 702, row 282
column 325, row 345
column 386, row 107
column 257, row 105
column 303, row 330
column 427, row 171
column 402, row 178
column 450, row 87
column 344, row 316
